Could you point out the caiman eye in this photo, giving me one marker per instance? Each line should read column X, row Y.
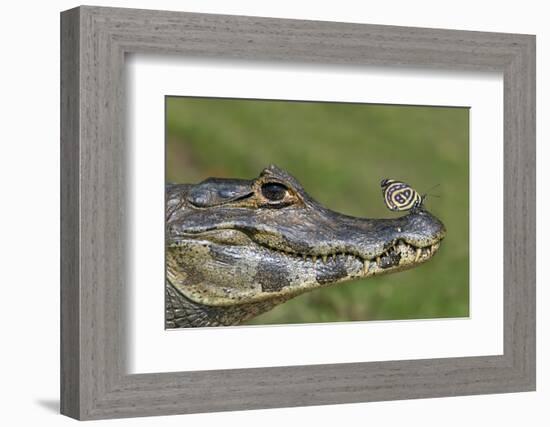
column 273, row 191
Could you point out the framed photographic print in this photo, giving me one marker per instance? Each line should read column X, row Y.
column 281, row 243
column 261, row 213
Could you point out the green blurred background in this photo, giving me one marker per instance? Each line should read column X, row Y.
column 340, row 152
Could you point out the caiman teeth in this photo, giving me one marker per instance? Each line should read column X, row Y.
column 400, row 248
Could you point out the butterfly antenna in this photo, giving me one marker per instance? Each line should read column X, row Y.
column 427, row 193
column 431, row 188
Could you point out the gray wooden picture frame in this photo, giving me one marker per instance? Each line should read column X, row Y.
column 94, row 42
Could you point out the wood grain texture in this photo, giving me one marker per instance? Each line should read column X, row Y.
column 94, row 382
column 70, row 292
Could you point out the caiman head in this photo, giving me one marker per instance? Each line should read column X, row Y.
column 236, row 248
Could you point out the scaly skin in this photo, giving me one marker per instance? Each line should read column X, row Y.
column 232, row 253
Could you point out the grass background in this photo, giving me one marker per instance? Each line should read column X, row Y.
column 340, row 152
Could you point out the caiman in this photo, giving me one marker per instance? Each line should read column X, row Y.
column 236, row 248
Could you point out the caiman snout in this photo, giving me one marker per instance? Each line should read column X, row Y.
column 402, row 243
column 381, row 244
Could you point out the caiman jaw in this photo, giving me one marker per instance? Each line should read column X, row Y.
column 228, row 266
column 398, row 256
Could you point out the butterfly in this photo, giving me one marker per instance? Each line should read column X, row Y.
column 400, row 196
